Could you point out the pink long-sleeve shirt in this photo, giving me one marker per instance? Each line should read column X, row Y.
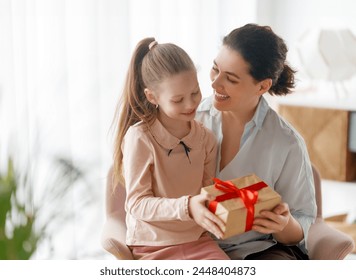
column 160, row 174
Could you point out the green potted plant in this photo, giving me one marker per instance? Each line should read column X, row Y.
column 25, row 224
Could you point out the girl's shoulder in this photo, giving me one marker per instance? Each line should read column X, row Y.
column 206, row 131
column 137, row 130
column 206, row 135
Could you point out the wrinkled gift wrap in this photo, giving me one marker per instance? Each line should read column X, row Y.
column 238, row 201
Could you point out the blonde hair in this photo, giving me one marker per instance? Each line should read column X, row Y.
column 150, row 64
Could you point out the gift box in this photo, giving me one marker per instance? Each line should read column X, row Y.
column 238, row 201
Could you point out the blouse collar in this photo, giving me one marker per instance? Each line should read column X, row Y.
column 168, row 141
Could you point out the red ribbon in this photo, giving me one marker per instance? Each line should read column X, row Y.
column 248, row 195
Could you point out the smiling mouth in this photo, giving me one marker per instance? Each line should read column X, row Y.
column 221, row 97
column 189, row 113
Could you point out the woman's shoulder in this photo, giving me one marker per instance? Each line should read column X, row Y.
column 282, row 129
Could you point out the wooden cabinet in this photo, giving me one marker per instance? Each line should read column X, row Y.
column 326, row 133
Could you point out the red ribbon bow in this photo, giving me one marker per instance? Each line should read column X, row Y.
column 248, row 195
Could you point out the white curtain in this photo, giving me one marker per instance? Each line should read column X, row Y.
column 62, row 66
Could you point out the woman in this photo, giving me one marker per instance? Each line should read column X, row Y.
column 254, row 139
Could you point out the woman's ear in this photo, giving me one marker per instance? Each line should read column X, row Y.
column 150, row 96
column 265, row 85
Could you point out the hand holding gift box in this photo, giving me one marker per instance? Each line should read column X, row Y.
column 238, row 201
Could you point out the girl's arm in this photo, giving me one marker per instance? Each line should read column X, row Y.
column 210, row 163
column 197, row 204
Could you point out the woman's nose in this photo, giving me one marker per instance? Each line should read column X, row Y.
column 216, row 83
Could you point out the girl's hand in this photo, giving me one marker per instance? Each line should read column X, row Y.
column 272, row 221
column 203, row 217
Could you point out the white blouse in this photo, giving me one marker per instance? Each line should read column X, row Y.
column 273, row 150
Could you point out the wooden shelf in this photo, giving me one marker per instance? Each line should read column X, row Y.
column 326, row 133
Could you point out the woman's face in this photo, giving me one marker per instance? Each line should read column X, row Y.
column 234, row 88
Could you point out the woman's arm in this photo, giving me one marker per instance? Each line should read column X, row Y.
column 279, row 222
column 290, row 221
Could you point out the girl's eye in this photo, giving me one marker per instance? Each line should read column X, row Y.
column 214, row 69
column 177, row 101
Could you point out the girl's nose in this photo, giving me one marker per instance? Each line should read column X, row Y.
column 192, row 103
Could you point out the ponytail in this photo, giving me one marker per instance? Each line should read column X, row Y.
column 285, row 83
column 133, row 105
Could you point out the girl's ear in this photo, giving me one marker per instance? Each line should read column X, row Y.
column 150, row 96
column 265, row 85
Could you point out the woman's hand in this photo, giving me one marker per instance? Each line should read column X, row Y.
column 203, row 217
column 272, row 221
column 279, row 222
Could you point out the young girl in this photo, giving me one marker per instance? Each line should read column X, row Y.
column 164, row 157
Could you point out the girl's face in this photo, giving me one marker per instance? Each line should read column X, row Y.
column 234, row 88
column 178, row 96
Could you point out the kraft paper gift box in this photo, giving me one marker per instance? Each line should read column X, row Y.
column 238, row 201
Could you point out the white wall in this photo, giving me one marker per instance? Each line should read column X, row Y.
column 290, row 19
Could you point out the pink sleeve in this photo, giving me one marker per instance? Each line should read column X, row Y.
column 211, row 149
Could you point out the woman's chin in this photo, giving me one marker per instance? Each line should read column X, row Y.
column 220, row 103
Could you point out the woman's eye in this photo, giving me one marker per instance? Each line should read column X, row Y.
column 231, row 81
column 214, row 69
